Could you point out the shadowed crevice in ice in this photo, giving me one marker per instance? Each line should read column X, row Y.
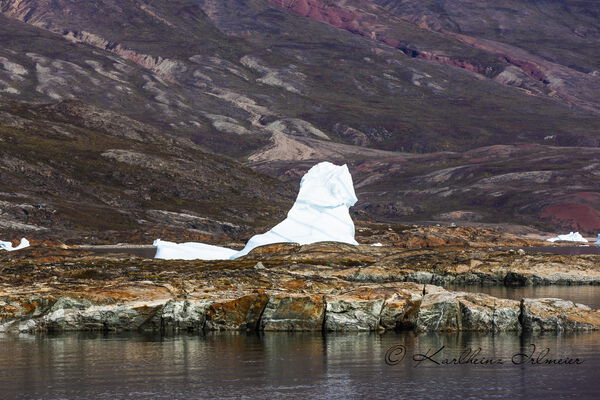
column 320, row 213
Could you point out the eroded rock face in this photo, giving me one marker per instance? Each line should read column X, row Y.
column 439, row 312
column 345, row 313
column 485, row 313
column 238, row 314
column 68, row 314
column 557, row 315
column 179, row 315
column 467, row 312
column 293, row 313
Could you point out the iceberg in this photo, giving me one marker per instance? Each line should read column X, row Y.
column 191, row 251
column 571, row 237
column 598, row 240
column 9, row 247
column 320, row 213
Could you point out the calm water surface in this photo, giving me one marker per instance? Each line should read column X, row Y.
column 291, row 366
column 584, row 294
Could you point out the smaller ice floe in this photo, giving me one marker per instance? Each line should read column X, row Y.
column 571, row 237
column 9, row 247
column 376, row 245
column 191, row 251
column 598, row 240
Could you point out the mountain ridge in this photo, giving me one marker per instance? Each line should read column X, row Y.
column 252, row 84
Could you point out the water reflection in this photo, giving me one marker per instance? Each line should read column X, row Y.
column 281, row 365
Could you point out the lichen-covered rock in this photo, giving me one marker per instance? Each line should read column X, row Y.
column 439, row 312
column 551, row 314
column 293, row 313
column 69, row 314
column 238, row 314
column 458, row 311
column 179, row 315
column 323, row 286
column 15, row 309
column 399, row 312
column 483, row 313
column 349, row 313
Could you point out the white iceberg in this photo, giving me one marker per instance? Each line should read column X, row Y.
column 571, row 237
column 598, row 240
column 191, row 251
column 320, row 213
column 9, row 247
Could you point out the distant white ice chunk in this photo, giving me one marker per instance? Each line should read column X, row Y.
column 9, row 247
column 571, row 237
column 191, row 251
column 377, row 245
column 320, row 213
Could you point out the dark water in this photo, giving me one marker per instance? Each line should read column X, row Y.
column 292, row 366
column 565, row 250
column 584, row 294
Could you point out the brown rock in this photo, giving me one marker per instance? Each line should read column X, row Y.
column 557, row 315
column 238, row 314
column 293, row 313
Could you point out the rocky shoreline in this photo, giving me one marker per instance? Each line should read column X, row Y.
column 329, row 287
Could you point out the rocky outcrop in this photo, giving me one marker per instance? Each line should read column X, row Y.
column 448, row 311
column 540, row 315
column 281, row 287
column 386, row 308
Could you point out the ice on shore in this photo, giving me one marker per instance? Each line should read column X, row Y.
column 571, row 237
column 191, row 251
column 320, row 213
column 9, row 247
